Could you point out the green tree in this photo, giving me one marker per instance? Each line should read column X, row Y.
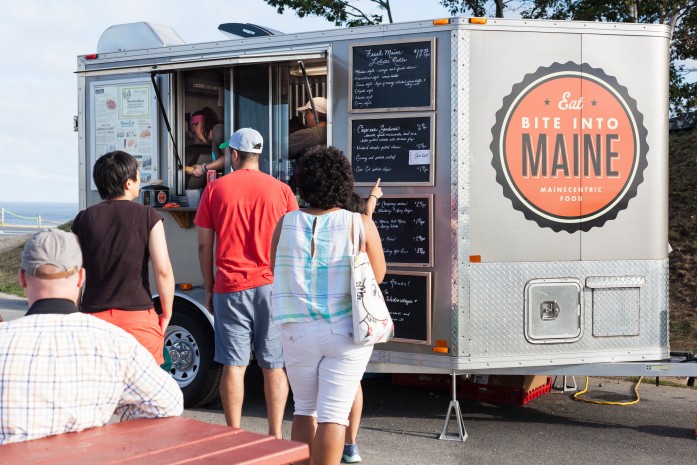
column 491, row 8
column 339, row 12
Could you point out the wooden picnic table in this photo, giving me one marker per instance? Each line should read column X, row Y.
column 165, row 441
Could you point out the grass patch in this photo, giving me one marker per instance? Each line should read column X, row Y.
column 9, row 265
column 682, row 235
column 672, row 382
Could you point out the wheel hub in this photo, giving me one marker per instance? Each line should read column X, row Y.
column 185, row 355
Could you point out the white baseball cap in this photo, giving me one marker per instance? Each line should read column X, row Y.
column 320, row 105
column 247, row 140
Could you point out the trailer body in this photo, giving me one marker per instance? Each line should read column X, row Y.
column 525, row 167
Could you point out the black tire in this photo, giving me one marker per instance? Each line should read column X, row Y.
column 191, row 346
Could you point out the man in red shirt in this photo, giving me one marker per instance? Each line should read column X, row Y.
column 238, row 213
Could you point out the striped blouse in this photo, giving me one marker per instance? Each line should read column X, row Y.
column 311, row 286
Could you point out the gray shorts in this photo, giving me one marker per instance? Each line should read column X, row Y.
column 243, row 323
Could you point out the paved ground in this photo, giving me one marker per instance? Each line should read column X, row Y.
column 12, row 307
column 401, row 425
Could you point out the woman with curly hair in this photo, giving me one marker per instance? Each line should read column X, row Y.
column 311, row 299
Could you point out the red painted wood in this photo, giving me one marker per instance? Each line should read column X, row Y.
column 175, row 440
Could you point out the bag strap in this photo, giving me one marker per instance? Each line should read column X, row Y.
column 358, row 234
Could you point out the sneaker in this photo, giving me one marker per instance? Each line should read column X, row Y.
column 351, row 454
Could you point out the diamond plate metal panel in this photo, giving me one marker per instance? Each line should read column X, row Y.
column 615, row 281
column 616, row 311
column 497, row 307
column 460, row 199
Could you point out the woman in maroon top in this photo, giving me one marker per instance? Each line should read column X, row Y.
column 119, row 238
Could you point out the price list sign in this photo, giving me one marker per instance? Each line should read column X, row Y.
column 408, row 298
column 405, row 224
column 398, row 150
column 392, row 76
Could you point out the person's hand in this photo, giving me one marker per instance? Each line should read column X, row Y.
column 209, row 303
column 198, row 171
column 164, row 322
column 376, row 190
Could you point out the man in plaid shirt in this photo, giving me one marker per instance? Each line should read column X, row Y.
column 62, row 370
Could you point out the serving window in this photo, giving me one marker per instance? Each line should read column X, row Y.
column 264, row 96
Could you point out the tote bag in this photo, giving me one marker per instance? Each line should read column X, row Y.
column 372, row 322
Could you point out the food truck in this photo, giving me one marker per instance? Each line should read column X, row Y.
column 524, row 165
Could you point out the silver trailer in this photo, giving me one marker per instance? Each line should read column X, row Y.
column 525, row 167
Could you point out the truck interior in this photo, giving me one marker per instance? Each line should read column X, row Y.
column 264, row 96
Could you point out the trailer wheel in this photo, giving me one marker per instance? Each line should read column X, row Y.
column 189, row 340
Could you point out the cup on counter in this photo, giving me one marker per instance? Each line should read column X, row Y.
column 193, row 196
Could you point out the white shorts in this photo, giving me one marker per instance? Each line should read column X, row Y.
column 324, row 367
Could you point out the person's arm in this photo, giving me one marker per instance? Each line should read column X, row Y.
column 218, row 165
column 373, row 247
column 274, row 243
column 162, row 268
column 149, row 391
column 372, row 202
column 217, row 138
column 206, row 239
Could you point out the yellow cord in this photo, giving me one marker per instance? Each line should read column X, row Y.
column 577, row 396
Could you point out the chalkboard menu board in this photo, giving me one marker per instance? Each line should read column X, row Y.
column 398, row 150
column 405, row 224
column 408, row 298
column 392, row 75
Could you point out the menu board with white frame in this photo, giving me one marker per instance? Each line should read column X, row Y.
column 405, row 224
column 408, row 298
column 399, row 150
column 388, row 76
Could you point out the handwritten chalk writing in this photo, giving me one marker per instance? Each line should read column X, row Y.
column 403, row 224
column 407, row 297
column 393, row 149
column 403, row 301
column 381, row 74
column 392, row 283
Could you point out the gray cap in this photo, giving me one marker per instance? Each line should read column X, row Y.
column 52, row 247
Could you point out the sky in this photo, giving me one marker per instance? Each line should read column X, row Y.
column 38, row 88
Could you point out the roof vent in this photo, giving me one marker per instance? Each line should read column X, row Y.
column 136, row 36
column 237, row 30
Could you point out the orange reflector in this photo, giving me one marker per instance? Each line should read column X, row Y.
column 91, row 56
column 441, row 346
column 441, row 22
column 186, row 286
column 477, row 20
column 475, row 258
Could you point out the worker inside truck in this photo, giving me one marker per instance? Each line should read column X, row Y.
column 264, row 96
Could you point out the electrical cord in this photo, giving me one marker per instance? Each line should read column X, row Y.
column 577, row 396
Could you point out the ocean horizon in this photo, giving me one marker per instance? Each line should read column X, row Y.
column 28, row 213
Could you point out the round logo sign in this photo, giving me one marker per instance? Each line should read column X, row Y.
column 569, row 147
column 162, row 197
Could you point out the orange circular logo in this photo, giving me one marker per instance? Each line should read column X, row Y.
column 569, row 147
